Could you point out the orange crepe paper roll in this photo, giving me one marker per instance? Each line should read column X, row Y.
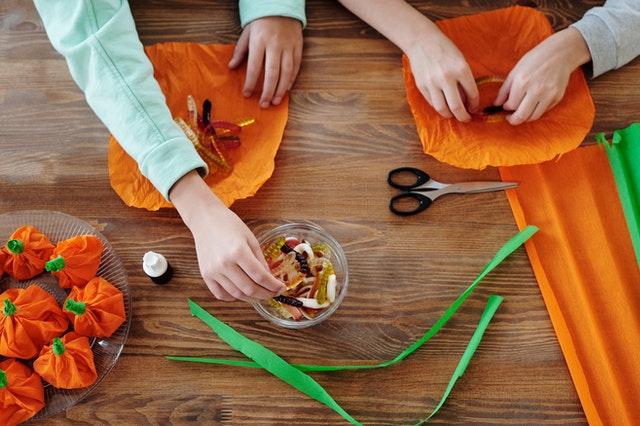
column 96, row 309
column 26, row 252
column 67, row 363
column 201, row 70
column 585, row 265
column 21, row 393
column 492, row 43
column 29, row 318
column 76, row 260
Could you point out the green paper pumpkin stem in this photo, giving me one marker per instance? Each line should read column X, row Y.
column 58, row 346
column 76, row 307
column 4, row 382
column 9, row 308
column 55, row 265
column 15, row 246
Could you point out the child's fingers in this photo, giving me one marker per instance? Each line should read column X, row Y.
column 259, row 273
column 286, row 75
column 240, row 50
column 219, row 292
column 247, row 285
column 234, row 290
column 524, row 111
column 503, row 93
column 456, row 106
column 439, row 104
column 271, row 74
column 540, row 109
column 470, row 89
column 254, row 66
column 516, row 96
column 297, row 62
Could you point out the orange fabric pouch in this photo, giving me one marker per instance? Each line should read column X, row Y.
column 75, row 261
column 29, row 318
column 96, row 309
column 492, row 43
column 584, row 262
column 21, row 393
column 26, row 253
column 67, row 363
column 201, row 70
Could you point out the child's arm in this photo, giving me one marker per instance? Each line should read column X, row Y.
column 607, row 36
column 272, row 38
column 99, row 41
column 439, row 68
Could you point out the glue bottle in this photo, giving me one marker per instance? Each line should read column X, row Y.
column 157, row 268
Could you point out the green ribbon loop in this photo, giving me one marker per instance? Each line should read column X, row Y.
column 15, row 246
column 58, row 346
column 55, row 265
column 75, row 307
column 9, row 308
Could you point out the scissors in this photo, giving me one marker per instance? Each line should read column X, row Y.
column 425, row 190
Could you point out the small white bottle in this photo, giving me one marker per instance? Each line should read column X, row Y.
column 157, row 268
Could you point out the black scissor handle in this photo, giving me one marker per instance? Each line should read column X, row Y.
column 423, row 203
column 421, row 178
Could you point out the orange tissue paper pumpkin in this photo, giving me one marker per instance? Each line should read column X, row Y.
column 29, row 318
column 492, row 43
column 26, row 253
column 21, row 393
column 96, row 309
column 201, row 70
column 3, row 257
column 76, row 260
column 67, row 363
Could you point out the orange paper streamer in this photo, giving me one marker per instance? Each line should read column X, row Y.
column 21, row 393
column 587, row 272
column 97, row 309
column 492, row 44
column 29, row 318
column 75, row 261
column 26, row 252
column 200, row 70
column 67, row 363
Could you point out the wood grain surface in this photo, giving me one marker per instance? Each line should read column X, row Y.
column 349, row 124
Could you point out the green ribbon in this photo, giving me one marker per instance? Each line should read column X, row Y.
column 502, row 254
column 15, row 246
column 75, row 307
column 294, row 374
column 9, row 308
column 55, row 265
column 57, row 347
column 624, row 158
column 4, row 381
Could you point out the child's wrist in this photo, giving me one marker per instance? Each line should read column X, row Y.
column 192, row 197
column 575, row 47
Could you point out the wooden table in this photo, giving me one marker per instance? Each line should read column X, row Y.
column 349, row 124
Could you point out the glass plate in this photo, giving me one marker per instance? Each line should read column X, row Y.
column 59, row 226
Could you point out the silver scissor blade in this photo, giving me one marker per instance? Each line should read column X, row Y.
column 475, row 187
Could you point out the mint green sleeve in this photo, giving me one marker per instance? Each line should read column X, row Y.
column 99, row 41
column 250, row 10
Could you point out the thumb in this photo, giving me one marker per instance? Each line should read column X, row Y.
column 242, row 46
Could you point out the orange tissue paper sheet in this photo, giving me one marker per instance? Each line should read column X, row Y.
column 584, row 262
column 201, row 70
column 21, row 393
column 492, row 43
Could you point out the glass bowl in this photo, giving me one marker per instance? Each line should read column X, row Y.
column 312, row 233
column 106, row 351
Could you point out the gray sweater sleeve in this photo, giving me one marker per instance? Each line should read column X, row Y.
column 612, row 33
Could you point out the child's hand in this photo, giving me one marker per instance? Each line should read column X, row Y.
column 443, row 76
column 275, row 43
column 230, row 259
column 539, row 79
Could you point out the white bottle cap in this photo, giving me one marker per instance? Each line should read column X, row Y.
column 154, row 264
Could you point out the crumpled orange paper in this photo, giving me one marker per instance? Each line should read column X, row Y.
column 201, row 70
column 21, row 393
column 492, row 43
